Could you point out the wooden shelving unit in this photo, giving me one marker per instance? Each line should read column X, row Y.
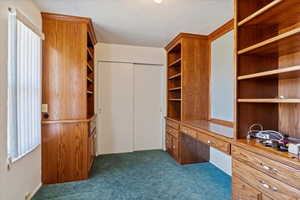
column 188, row 77
column 268, row 65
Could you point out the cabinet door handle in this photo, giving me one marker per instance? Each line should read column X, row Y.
column 173, row 146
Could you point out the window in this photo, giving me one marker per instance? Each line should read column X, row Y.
column 24, row 86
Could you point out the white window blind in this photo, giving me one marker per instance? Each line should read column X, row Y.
column 24, row 87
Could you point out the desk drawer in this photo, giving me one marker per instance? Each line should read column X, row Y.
column 214, row 142
column 274, row 188
column 188, row 131
column 173, row 124
column 275, row 169
column 172, row 132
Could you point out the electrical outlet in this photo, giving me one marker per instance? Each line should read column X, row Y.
column 28, row 196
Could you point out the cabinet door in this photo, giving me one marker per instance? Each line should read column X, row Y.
column 243, row 191
column 169, row 143
column 175, row 148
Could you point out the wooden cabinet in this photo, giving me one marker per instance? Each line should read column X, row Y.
column 243, row 191
column 272, row 179
column 172, row 135
column 68, row 126
column 188, row 88
column 188, row 77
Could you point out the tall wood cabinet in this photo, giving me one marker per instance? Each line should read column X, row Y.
column 68, row 118
column 267, row 83
column 188, row 89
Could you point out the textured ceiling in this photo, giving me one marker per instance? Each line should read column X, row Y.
column 143, row 22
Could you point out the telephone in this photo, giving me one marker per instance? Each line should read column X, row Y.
column 269, row 138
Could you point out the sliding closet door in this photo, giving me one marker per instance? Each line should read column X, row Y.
column 116, row 105
column 147, row 107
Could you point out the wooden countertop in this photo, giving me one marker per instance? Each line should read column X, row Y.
column 69, row 121
column 211, row 128
column 254, row 146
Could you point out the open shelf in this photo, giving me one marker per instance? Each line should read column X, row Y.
column 283, row 73
column 276, row 12
column 175, row 62
column 89, row 79
column 260, row 12
column 90, row 52
column 175, row 89
column 174, row 76
column 90, row 67
column 285, row 43
column 174, row 99
column 89, row 92
column 272, row 100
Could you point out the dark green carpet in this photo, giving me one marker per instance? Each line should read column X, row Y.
column 147, row 175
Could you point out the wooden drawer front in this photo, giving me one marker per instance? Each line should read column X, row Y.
column 172, row 132
column 268, row 185
column 188, row 131
column 173, row 124
column 243, row 191
column 275, row 169
column 214, row 142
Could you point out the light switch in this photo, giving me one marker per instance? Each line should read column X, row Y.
column 44, row 108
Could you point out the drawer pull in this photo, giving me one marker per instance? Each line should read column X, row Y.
column 174, row 147
column 263, row 184
column 268, row 168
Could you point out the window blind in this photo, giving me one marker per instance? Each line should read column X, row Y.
column 24, row 88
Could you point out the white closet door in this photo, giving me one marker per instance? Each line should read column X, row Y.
column 116, row 105
column 147, row 107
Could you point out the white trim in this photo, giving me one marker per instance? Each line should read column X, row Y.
column 35, row 191
column 20, row 16
column 26, row 153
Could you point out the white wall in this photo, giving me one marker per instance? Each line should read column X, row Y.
column 222, row 77
column 129, row 54
column 221, row 160
column 25, row 174
column 222, row 91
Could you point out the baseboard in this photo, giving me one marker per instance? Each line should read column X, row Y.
column 35, row 191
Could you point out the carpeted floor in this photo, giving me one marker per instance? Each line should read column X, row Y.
column 146, row 175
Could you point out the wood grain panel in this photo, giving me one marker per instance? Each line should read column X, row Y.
column 72, row 160
column 243, row 191
column 277, row 170
column 64, row 85
column 268, row 185
column 50, row 153
column 192, row 151
column 195, row 78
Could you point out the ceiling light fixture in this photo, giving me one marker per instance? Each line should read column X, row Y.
column 158, row 1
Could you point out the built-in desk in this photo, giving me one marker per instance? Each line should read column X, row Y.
column 193, row 138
